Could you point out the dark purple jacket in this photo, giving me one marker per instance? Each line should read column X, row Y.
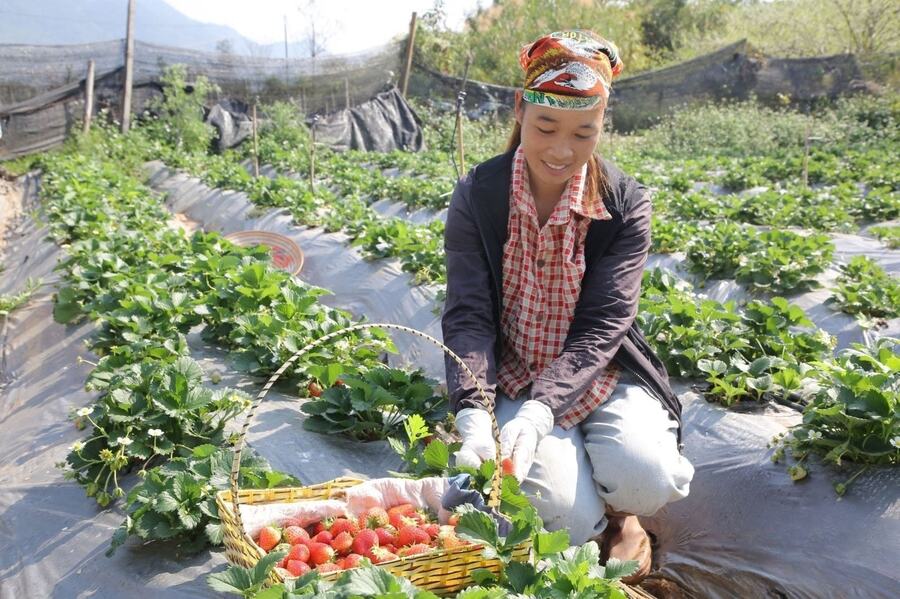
column 603, row 328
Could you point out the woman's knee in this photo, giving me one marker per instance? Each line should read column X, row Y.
column 638, row 474
column 562, row 487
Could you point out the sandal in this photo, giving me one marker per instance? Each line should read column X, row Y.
column 643, row 555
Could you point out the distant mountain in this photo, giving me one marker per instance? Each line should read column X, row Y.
column 56, row 22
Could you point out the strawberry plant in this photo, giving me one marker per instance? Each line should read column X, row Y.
column 865, row 289
column 854, row 415
column 147, row 411
column 374, row 405
column 177, row 500
column 889, row 234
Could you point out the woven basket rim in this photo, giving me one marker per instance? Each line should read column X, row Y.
column 271, row 239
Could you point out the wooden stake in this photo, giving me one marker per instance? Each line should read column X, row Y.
column 312, row 156
column 409, row 54
column 805, row 173
column 88, row 97
column 347, row 93
column 255, row 145
column 129, row 68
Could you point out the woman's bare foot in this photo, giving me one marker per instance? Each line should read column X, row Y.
column 626, row 539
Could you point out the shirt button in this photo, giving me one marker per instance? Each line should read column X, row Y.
column 532, row 366
column 540, row 263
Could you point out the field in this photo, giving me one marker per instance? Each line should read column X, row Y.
column 772, row 284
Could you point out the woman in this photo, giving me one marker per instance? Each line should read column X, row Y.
column 546, row 246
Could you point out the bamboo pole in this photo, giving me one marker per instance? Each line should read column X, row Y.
column 255, row 145
column 88, row 97
column 312, row 156
column 129, row 68
column 409, row 54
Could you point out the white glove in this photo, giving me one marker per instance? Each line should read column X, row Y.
column 520, row 436
column 474, row 426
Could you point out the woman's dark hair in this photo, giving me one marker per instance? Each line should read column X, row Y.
column 596, row 179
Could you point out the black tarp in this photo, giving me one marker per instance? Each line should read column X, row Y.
column 384, row 123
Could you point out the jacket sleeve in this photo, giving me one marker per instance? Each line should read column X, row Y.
column 607, row 307
column 468, row 320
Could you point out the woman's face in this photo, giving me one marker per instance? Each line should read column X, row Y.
column 557, row 142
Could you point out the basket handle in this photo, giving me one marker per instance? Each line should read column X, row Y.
column 493, row 499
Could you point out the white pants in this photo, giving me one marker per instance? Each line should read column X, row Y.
column 624, row 456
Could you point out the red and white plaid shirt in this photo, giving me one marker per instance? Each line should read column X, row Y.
column 542, row 272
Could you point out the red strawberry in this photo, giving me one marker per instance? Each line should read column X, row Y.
column 432, row 529
column 447, row 539
column 291, row 522
column 351, row 561
column 295, row 534
column 373, row 518
column 299, row 552
column 404, row 509
column 343, row 525
column 297, row 567
column 323, row 537
column 379, row 555
column 342, row 543
column 453, row 520
column 411, row 535
column 314, row 389
column 328, row 567
column 320, row 553
column 321, row 526
column 390, row 547
column 387, row 535
column 506, row 467
column 364, row 541
column 414, row 549
column 269, row 537
column 399, row 520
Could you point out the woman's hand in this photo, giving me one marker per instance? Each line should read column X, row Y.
column 520, row 436
column 474, row 425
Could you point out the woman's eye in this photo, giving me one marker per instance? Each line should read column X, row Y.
column 545, row 132
column 582, row 136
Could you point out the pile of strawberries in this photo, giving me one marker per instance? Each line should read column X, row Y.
column 378, row 535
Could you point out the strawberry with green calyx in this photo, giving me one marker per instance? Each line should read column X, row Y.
column 432, row 529
column 447, row 539
column 352, row 561
column 340, row 525
column 323, row 537
column 507, row 467
column 387, row 535
column 342, row 543
column 380, row 555
column 269, row 537
column 364, row 541
column 414, row 550
column 373, row 518
column 320, row 553
column 328, row 567
column 294, row 535
column 297, row 567
column 299, row 552
column 411, row 535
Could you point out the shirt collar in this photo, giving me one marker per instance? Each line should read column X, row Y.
column 572, row 200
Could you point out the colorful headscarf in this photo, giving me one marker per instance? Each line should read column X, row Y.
column 569, row 69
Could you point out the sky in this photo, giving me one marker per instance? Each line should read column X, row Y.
column 350, row 25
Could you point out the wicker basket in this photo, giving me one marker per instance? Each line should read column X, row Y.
column 286, row 255
column 442, row 572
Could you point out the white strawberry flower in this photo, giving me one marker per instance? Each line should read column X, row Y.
column 125, row 441
column 896, row 442
column 84, row 412
column 77, row 446
column 155, row 432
